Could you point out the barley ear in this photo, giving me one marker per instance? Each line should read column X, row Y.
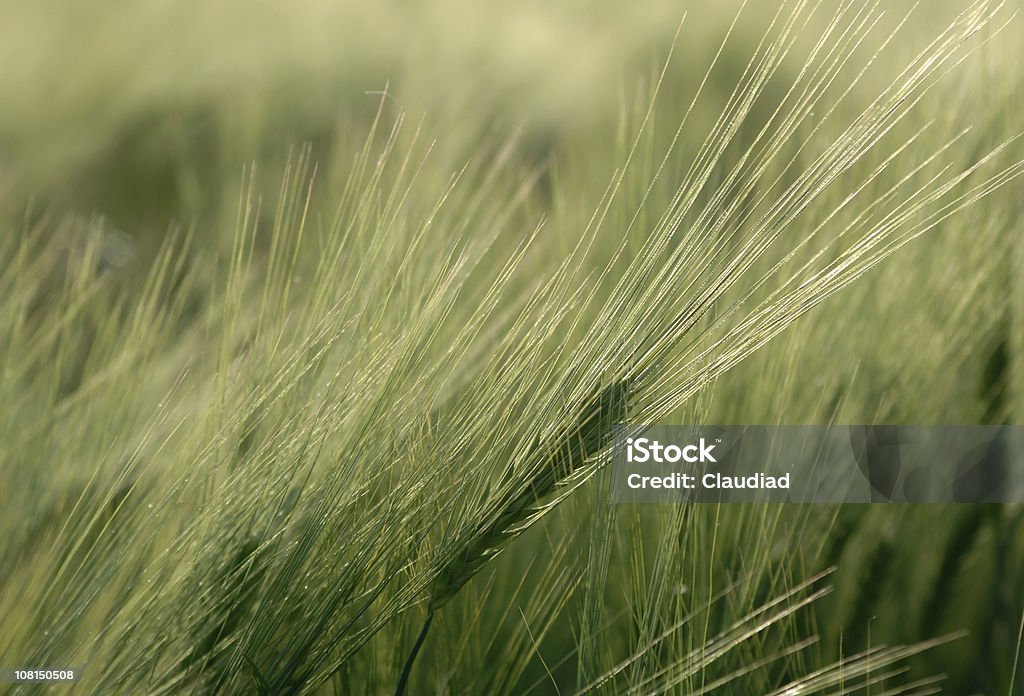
column 521, row 505
column 588, row 436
